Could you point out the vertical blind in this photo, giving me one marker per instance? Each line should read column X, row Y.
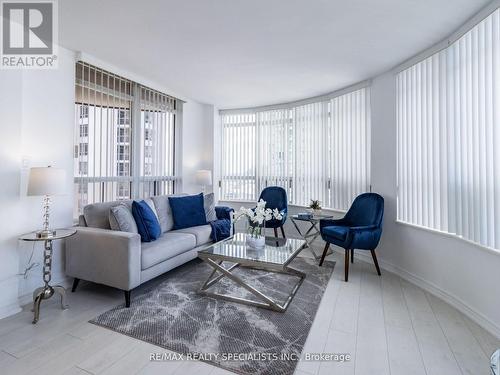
column 124, row 138
column 448, row 115
column 157, row 135
column 316, row 150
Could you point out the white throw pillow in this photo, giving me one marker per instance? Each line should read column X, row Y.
column 209, row 206
column 121, row 219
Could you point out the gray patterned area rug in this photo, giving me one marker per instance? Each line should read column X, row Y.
column 171, row 314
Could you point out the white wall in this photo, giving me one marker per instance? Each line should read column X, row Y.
column 10, row 164
column 37, row 121
column 197, row 143
column 36, row 118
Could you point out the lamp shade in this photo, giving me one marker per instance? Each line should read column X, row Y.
column 47, row 181
column 204, row 177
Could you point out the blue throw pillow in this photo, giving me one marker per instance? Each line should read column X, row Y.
column 146, row 220
column 188, row 211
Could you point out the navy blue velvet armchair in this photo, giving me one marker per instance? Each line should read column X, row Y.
column 360, row 228
column 275, row 197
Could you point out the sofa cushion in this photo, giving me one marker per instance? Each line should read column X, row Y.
column 121, row 218
column 147, row 223
column 209, row 205
column 201, row 232
column 188, row 211
column 164, row 212
column 151, row 205
column 97, row 214
column 167, row 246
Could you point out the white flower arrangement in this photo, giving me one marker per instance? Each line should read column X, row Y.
column 257, row 217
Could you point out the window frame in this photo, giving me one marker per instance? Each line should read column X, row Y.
column 324, row 188
column 120, row 167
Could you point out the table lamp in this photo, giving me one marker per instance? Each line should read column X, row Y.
column 46, row 181
column 204, row 178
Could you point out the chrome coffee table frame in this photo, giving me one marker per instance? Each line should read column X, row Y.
column 215, row 261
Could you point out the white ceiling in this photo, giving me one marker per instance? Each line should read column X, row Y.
column 235, row 53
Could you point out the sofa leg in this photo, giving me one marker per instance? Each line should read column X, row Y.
column 324, row 254
column 346, row 265
column 283, row 231
column 352, row 255
column 75, row 285
column 127, row 298
column 275, row 232
column 376, row 262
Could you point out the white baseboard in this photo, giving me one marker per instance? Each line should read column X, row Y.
column 452, row 300
column 9, row 310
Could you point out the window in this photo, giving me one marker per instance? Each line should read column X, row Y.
column 84, row 130
column 157, row 144
column 84, row 111
column 123, row 190
column 83, row 168
column 448, row 136
column 122, row 169
column 123, row 117
column 123, row 135
column 318, row 150
column 105, row 107
column 84, row 149
column 123, row 152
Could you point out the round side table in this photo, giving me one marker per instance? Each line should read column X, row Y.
column 47, row 291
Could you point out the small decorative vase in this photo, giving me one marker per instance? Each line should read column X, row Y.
column 255, row 242
column 317, row 212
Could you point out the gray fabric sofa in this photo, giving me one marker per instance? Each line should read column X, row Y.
column 119, row 259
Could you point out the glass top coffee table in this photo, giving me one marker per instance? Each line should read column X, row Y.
column 275, row 256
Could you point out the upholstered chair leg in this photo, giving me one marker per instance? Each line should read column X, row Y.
column 127, row 298
column 324, row 254
column 75, row 285
column 346, row 265
column 352, row 255
column 376, row 262
column 283, row 231
column 276, row 232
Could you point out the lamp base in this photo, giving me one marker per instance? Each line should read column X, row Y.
column 46, row 233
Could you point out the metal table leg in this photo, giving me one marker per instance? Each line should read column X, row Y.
column 47, row 291
column 268, row 303
column 310, row 237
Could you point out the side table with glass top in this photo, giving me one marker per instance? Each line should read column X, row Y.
column 47, row 291
column 313, row 232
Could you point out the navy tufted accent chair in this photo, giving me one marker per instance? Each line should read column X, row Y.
column 360, row 228
column 275, row 197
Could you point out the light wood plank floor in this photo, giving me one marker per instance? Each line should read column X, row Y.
column 387, row 325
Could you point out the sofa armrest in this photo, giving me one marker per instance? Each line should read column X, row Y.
column 223, row 212
column 104, row 256
column 332, row 222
